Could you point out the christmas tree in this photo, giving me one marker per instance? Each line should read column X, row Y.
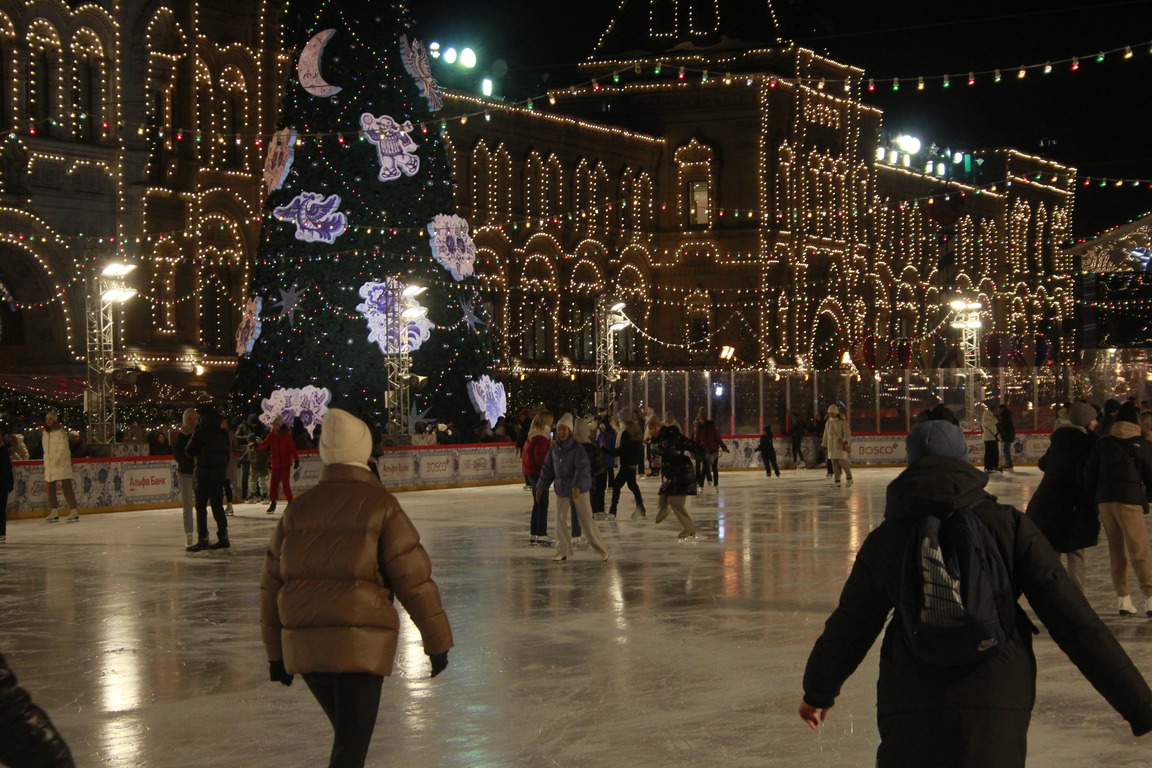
column 360, row 206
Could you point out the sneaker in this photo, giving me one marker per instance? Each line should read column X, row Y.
column 1126, row 606
column 73, row 517
column 849, row 482
column 199, row 546
column 53, row 517
column 220, row 544
column 558, row 558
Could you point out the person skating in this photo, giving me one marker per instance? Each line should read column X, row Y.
column 677, row 478
column 257, row 470
column 58, row 467
column 1007, row 430
column 767, row 451
column 975, row 715
column 536, row 445
column 990, row 434
column 837, row 443
column 797, row 428
column 630, row 453
column 185, row 467
column 211, row 447
column 283, row 458
column 339, row 556
column 707, row 435
column 567, row 470
column 606, row 441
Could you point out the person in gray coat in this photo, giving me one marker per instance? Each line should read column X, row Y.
column 973, row 716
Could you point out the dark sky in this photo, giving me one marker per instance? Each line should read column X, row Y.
column 1098, row 118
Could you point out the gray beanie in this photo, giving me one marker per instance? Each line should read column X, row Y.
column 1081, row 414
column 935, row 438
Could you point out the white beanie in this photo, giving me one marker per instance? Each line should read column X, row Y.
column 344, row 439
column 567, row 421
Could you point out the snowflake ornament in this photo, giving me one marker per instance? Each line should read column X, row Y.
column 281, row 153
column 395, row 149
column 452, row 245
column 309, row 404
column 249, row 329
column 470, row 317
column 288, row 301
column 377, row 306
column 316, row 217
column 416, row 63
column 488, row 398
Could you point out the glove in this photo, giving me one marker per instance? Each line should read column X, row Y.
column 845, row 445
column 575, row 493
column 439, row 662
column 296, row 464
column 277, row 673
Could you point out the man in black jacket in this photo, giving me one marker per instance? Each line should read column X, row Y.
column 211, row 447
column 963, row 716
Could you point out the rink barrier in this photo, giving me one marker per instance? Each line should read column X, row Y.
column 124, row 483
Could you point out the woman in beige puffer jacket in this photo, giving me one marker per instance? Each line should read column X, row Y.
column 837, row 441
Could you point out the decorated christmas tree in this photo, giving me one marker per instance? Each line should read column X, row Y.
column 360, row 215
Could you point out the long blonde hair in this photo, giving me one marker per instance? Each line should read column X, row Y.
column 541, row 424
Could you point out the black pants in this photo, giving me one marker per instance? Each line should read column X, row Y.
column 351, row 701
column 210, row 493
column 625, row 476
column 797, row 450
column 600, row 485
column 770, row 463
column 244, row 469
column 991, row 455
column 538, row 522
column 3, row 512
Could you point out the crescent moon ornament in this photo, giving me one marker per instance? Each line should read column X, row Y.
column 308, row 66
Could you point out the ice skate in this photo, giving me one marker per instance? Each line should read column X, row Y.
column 53, row 517
column 73, row 517
column 271, row 508
column 199, row 546
column 1126, row 606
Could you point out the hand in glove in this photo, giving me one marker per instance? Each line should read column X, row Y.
column 575, row 494
column 277, row 673
column 296, row 464
column 439, row 662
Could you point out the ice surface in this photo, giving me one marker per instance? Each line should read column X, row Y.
column 670, row 654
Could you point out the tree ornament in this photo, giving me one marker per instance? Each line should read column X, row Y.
column 452, row 245
column 309, row 404
column 394, row 147
column 416, row 63
column 378, row 307
column 316, row 217
column 488, row 398
column 470, row 316
column 308, row 66
column 288, row 301
column 281, row 152
column 249, row 329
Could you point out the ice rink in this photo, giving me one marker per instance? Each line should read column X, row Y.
column 670, row 654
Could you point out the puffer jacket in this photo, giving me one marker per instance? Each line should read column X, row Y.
column 566, row 467
column 1120, row 467
column 340, row 554
column 995, row 696
column 989, row 426
column 1062, row 507
column 281, row 448
column 534, row 453
column 677, row 475
column 57, row 453
column 211, row 447
column 27, row 735
column 185, row 464
column 836, row 434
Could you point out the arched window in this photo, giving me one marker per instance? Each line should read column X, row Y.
column 232, row 117
column 88, row 85
column 8, row 69
column 42, row 80
column 205, row 124
column 165, row 45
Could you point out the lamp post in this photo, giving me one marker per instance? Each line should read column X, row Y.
column 402, row 308
column 967, row 320
column 610, row 318
column 106, row 291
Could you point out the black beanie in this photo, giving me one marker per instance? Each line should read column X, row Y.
column 1128, row 412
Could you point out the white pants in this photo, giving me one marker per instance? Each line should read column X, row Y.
column 587, row 524
column 188, row 501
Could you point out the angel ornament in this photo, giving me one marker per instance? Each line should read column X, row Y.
column 394, row 147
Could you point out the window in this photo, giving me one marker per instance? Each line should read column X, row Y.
column 699, row 204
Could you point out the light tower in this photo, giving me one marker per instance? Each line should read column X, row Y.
column 105, row 292
column 968, row 321
column 610, row 318
column 402, row 308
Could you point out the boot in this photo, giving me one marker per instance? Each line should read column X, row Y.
column 220, row 544
column 199, row 546
column 271, row 508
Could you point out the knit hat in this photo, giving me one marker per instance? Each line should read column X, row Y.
column 344, row 439
column 1111, row 405
column 567, row 421
column 833, row 410
column 1128, row 412
column 935, row 438
column 1081, row 414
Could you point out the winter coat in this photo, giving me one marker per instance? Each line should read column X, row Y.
column 57, row 453
column 628, row 450
column 185, row 464
column 677, row 475
column 281, row 448
column 990, row 426
column 1007, row 426
column 987, row 705
column 708, row 436
column 766, row 448
column 339, row 556
column 257, row 459
column 607, row 441
column 27, row 735
column 836, row 435
column 211, row 447
column 566, row 467
column 1062, row 507
column 7, row 478
column 533, row 455
column 1120, row 467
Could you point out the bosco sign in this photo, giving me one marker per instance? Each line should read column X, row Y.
column 437, row 467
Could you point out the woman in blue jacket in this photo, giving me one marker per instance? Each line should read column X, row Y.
column 567, row 469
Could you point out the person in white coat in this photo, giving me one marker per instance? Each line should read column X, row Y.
column 837, row 441
column 57, row 467
column 990, row 434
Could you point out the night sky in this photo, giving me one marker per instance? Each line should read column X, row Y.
column 1098, row 118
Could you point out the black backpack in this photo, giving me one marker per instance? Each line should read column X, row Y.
column 953, row 580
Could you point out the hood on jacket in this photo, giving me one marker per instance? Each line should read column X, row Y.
column 1125, row 430
column 935, row 484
